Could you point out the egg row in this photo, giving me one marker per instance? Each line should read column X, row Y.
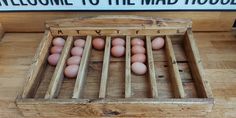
column 73, row 62
column 138, row 58
column 57, row 47
column 56, row 50
column 157, row 43
column 118, row 47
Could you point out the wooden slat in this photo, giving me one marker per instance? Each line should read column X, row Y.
column 117, row 107
column 114, row 31
column 174, row 70
column 128, row 92
column 38, row 65
column 83, row 68
column 119, row 20
column 195, row 62
column 58, row 74
column 153, row 101
column 105, row 67
column 151, row 67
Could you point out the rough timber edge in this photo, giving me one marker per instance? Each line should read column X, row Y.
column 121, row 20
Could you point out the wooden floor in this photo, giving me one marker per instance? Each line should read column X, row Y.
column 217, row 49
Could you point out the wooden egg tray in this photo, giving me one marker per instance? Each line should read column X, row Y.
column 105, row 86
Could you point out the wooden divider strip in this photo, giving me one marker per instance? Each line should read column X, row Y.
column 58, row 74
column 151, row 67
column 83, row 68
column 173, row 69
column 128, row 92
column 196, row 67
column 105, row 67
column 38, row 65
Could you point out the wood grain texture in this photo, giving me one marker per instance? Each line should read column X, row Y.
column 105, row 67
column 174, row 70
column 114, row 31
column 116, row 107
column 18, row 49
column 115, row 84
column 128, row 92
column 79, row 84
column 118, row 25
column 34, row 21
column 118, row 20
column 196, row 65
column 151, row 68
column 39, row 62
column 58, row 75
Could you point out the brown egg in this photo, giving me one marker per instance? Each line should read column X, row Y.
column 71, row 71
column 118, row 41
column 137, row 41
column 74, row 60
column 58, row 41
column 79, row 43
column 138, row 58
column 158, row 43
column 139, row 68
column 53, row 59
column 138, row 50
column 98, row 43
column 118, row 51
column 77, row 51
column 56, row 49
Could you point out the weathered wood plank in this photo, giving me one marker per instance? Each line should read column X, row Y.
column 38, row 65
column 128, row 91
column 151, row 67
column 174, row 70
column 105, row 67
column 195, row 62
column 83, row 68
column 117, row 107
column 58, row 74
column 118, row 30
column 120, row 20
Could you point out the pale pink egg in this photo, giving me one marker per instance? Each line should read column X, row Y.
column 56, row 49
column 118, row 51
column 98, row 43
column 58, row 41
column 118, row 41
column 53, row 59
column 138, row 58
column 139, row 68
column 137, row 41
column 71, row 71
column 79, row 43
column 77, row 51
column 158, row 43
column 138, row 50
column 74, row 60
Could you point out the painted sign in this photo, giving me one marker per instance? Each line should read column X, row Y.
column 130, row 5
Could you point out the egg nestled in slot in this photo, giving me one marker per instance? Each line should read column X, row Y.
column 138, row 58
column 73, row 62
column 55, row 51
column 98, row 43
column 118, row 47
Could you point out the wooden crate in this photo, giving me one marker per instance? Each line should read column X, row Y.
column 105, row 86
